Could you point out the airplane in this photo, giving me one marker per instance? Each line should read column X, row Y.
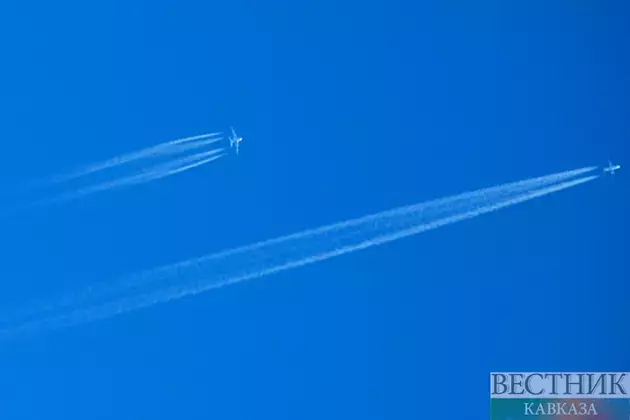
column 612, row 168
column 235, row 140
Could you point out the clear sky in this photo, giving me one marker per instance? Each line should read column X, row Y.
column 347, row 107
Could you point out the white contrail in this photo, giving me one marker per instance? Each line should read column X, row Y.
column 171, row 167
column 191, row 146
column 183, row 167
column 468, row 198
column 268, row 257
column 156, row 172
column 154, row 151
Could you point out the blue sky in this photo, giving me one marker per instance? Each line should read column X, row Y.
column 346, row 108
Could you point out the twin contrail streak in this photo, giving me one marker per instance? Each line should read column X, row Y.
column 147, row 175
column 182, row 165
column 268, row 257
column 171, row 147
column 175, row 158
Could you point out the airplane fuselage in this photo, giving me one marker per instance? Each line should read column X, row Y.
column 612, row 168
column 235, row 140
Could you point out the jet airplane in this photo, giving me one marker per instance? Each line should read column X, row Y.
column 611, row 168
column 235, row 140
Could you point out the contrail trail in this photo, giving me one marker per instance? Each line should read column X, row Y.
column 158, row 150
column 103, row 289
column 146, row 175
column 268, row 257
column 191, row 145
column 171, row 168
column 183, row 167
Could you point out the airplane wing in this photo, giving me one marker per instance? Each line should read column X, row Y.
column 233, row 132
